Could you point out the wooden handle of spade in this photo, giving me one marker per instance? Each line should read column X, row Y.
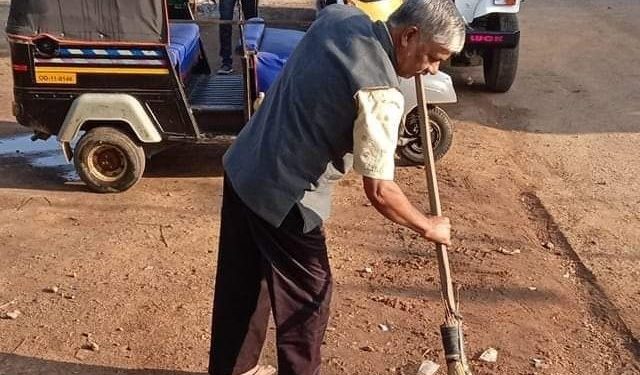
column 434, row 197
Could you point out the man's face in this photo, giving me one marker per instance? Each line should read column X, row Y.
column 415, row 55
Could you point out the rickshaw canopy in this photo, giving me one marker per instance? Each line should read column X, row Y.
column 126, row 21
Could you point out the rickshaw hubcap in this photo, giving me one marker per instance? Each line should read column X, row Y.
column 107, row 162
column 413, row 130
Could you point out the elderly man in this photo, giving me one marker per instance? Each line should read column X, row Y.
column 335, row 106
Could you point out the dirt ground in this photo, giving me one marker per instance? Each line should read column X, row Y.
column 553, row 160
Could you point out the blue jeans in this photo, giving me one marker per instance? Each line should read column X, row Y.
column 249, row 9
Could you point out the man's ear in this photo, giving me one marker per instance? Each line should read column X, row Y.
column 409, row 35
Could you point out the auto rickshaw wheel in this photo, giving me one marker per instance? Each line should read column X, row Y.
column 501, row 64
column 441, row 135
column 108, row 160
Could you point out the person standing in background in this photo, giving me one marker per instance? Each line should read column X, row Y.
column 249, row 10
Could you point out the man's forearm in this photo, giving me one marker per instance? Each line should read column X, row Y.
column 390, row 201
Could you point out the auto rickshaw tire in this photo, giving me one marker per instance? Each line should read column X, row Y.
column 108, row 160
column 441, row 136
column 501, row 64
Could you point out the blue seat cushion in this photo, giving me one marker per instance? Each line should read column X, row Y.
column 184, row 45
column 280, row 42
column 253, row 32
column 268, row 68
column 272, row 46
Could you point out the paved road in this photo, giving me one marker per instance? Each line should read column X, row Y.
column 575, row 117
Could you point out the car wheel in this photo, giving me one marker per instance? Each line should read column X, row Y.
column 441, row 135
column 108, row 160
column 501, row 64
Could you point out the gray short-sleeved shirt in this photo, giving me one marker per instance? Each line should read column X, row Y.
column 300, row 141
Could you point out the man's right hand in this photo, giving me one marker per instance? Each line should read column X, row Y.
column 438, row 230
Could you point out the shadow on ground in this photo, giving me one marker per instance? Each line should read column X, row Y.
column 476, row 294
column 16, row 364
column 188, row 161
column 40, row 165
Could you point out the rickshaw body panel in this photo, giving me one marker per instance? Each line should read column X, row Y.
column 116, row 47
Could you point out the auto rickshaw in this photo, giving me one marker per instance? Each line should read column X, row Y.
column 125, row 78
column 116, row 81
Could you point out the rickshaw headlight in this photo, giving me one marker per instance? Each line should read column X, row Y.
column 47, row 47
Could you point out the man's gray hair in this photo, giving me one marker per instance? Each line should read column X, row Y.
column 438, row 20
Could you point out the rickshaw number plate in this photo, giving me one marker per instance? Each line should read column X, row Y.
column 56, row 78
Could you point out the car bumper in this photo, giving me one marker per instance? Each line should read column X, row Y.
column 492, row 39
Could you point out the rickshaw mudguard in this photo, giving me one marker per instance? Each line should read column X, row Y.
column 472, row 9
column 120, row 108
column 438, row 89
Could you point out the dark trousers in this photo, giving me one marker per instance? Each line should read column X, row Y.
column 263, row 268
column 249, row 9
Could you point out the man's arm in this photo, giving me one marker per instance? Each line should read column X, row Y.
column 375, row 136
column 390, row 201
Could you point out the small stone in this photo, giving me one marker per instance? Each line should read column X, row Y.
column 148, row 268
column 539, row 363
column 549, row 245
column 532, row 288
column 490, row 356
column 566, row 275
column 53, row 289
column 367, row 348
column 91, row 346
column 70, row 296
column 368, row 270
column 508, row 252
column 72, row 275
column 428, row 368
column 383, row 327
column 13, row 315
column 83, row 354
column 119, row 329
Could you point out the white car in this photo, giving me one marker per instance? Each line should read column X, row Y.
column 493, row 39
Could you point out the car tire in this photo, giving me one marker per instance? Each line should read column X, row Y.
column 501, row 64
column 109, row 160
column 441, row 135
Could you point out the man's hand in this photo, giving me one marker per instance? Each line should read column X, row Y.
column 439, row 230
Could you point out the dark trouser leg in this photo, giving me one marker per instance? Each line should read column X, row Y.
column 241, row 303
column 226, row 13
column 300, row 286
column 249, row 8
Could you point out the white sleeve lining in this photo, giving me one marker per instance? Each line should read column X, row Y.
column 375, row 131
